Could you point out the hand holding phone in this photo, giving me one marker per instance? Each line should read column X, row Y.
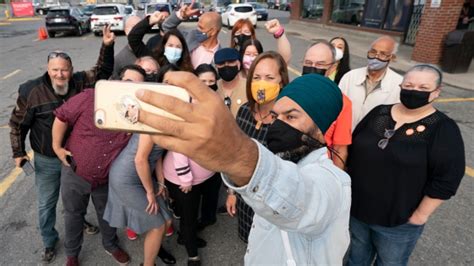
column 72, row 163
column 27, row 167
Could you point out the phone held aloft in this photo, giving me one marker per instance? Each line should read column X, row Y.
column 26, row 166
column 117, row 107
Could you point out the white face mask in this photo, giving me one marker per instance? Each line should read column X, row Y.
column 173, row 54
column 339, row 54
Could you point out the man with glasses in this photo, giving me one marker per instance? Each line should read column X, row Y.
column 231, row 85
column 202, row 42
column 33, row 113
column 376, row 84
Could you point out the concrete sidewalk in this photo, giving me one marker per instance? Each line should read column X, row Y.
column 359, row 43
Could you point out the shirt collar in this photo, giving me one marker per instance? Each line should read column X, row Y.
column 363, row 78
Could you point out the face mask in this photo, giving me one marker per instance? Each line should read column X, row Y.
column 339, row 54
column 173, row 54
column 376, row 64
column 264, row 91
column 240, row 39
column 289, row 143
column 152, row 77
column 314, row 70
column 247, row 61
column 201, row 36
column 413, row 99
column 213, row 87
column 228, row 73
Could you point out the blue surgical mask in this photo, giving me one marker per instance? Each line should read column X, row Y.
column 173, row 54
column 201, row 36
column 376, row 64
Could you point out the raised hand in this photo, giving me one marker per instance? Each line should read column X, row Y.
column 272, row 26
column 187, row 11
column 108, row 36
column 157, row 17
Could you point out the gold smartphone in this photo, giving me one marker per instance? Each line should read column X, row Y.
column 117, row 108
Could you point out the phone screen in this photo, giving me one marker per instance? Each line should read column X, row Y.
column 27, row 167
column 71, row 162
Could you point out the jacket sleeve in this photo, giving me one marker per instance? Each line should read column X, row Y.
column 172, row 22
column 20, row 123
column 183, row 169
column 135, row 38
column 103, row 68
column 296, row 199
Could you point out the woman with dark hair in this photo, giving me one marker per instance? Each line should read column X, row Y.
column 266, row 77
column 208, row 75
column 172, row 47
column 250, row 50
column 161, row 73
column 342, row 65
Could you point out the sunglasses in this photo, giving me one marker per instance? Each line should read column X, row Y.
column 227, row 101
column 62, row 55
column 387, row 135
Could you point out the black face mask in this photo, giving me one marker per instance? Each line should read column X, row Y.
column 240, row 39
column 314, row 70
column 228, row 73
column 413, row 99
column 289, row 143
column 151, row 77
column 213, row 86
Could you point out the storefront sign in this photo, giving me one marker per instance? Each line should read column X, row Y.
column 435, row 3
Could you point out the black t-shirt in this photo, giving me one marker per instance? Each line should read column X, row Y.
column 422, row 158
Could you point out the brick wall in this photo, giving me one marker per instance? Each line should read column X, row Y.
column 435, row 25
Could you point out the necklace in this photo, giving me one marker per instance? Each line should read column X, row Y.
column 259, row 123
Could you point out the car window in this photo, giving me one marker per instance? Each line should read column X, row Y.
column 58, row 13
column 228, row 9
column 128, row 10
column 106, row 10
column 243, row 9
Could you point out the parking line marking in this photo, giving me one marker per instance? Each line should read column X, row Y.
column 469, row 171
column 11, row 178
column 11, row 74
column 35, row 40
column 4, row 23
column 450, row 100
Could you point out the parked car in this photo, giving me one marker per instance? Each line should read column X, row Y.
column 87, row 10
column 219, row 6
column 199, row 6
column 42, row 9
column 234, row 12
column 285, row 6
column 151, row 8
column 130, row 11
column 110, row 14
column 66, row 19
column 350, row 14
column 262, row 12
column 313, row 11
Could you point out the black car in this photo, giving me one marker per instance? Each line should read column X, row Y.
column 262, row 12
column 67, row 19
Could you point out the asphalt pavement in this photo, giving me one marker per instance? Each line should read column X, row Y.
column 447, row 240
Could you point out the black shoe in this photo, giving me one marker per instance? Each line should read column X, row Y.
column 194, row 262
column 202, row 225
column 166, row 257
column 48, row 255
column 199, row 241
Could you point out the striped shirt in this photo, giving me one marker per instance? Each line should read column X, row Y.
column 248, row 124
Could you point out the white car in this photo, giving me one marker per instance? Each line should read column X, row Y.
column 234, row 12
column 111, row 14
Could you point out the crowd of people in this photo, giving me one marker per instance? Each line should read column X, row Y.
column 337, row 166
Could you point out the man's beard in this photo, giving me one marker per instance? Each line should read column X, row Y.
column 63, row 90
column 295, row 155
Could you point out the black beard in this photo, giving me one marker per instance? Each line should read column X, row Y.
column 299, row 153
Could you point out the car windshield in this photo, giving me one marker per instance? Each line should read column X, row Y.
column 152, row 8
column 243, row 9
column 58, row 13
column 88, row 8
column 106, row 10
column 255, row 5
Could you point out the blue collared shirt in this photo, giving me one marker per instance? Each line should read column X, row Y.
column 310, row 200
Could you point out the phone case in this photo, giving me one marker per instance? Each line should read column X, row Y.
column 117, row 108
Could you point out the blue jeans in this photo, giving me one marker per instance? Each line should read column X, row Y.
column 389, row 245
column 47, row 180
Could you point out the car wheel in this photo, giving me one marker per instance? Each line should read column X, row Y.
column 96, row 33
column 51, row 34
column 228, row 25
column 255, row 26
column 79, row 30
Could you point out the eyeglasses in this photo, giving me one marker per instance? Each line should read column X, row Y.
column 387, row 135
column 227, row 101
column 381, row 56
column 62, row 55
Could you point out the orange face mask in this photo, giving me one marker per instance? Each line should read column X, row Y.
column 264, row 91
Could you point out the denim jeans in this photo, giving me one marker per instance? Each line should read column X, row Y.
column 389, row 245
column 47, row 180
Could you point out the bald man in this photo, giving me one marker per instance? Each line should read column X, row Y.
column 202, row 42
column 375, row 84
column 125, row 56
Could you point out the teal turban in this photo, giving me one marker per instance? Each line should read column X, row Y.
column 319, row 97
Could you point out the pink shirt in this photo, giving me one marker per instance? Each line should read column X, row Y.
column 182, row 171
column 202, row 55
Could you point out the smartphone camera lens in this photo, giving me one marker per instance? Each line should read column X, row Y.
column 99, row 121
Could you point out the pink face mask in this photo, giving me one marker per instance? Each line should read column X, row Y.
column 247, row 61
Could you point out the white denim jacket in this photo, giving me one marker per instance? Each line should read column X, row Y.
column 310, row 200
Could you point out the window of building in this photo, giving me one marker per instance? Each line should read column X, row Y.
column 312, row 9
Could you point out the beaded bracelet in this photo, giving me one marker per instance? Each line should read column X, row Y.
column 279, row 33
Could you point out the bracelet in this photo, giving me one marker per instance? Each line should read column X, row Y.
column 279, row 33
